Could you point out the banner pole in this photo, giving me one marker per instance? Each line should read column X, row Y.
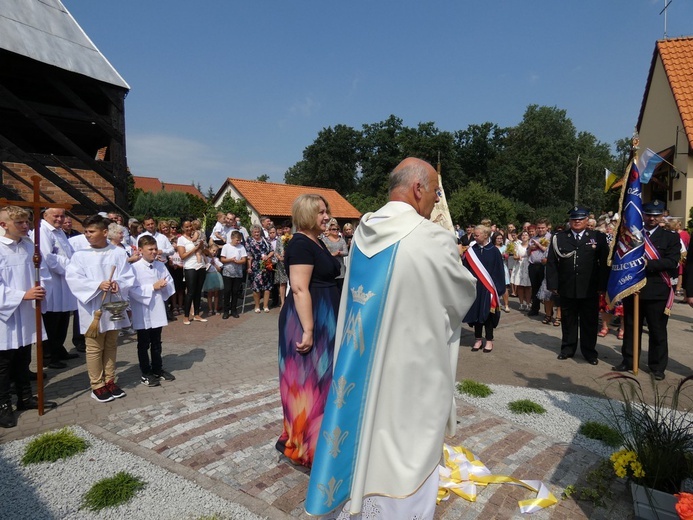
column 636, row 336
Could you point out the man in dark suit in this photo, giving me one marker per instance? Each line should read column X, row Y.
column 654, row 296
column 576, row 269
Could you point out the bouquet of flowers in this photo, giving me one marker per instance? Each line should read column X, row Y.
column 286, row 237
column 510, row 248
column 267, row 265
column 684, row 506
column 544, row 242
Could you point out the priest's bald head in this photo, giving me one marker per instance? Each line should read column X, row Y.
column 415, row 182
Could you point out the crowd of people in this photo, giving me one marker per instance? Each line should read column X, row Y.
column 343, row 358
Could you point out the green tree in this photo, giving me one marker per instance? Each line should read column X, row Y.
column 168, row 204
column 379, row 153
column 331, row 161
column 228, row 204
column 477, row 148
column 263, row 178
column 476, row 202
column 539, row 158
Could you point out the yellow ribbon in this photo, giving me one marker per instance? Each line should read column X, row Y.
column 463, row 473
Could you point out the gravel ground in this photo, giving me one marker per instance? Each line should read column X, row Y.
column 565, row 412
column 54, row 490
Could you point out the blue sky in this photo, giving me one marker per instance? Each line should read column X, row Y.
column 223, row 88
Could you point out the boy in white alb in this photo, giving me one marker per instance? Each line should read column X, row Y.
column 88, row 278
column 153, row 286
column 17, row 312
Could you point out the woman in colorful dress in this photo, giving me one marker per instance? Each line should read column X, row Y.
column 307, row 328
column 259, row 269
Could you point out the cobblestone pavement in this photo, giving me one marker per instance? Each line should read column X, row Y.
column 217, row 422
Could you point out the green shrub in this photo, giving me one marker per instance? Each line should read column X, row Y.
column 473, row 388
column 52, row 446
column 601, row 432
column 110, row 492
column 525, row 406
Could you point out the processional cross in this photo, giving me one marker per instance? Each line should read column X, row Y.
column 36, row 205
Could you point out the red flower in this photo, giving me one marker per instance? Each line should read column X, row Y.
column 684, row 505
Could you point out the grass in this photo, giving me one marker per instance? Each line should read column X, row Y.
column 53, row 446
column 110, row 492
column 601, row 432
column 525, row 406
column 473, row 388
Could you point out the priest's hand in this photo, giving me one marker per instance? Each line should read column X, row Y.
column 35, row 293
column 306, row 343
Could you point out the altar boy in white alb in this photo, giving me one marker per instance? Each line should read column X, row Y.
column 17, row 312
column 88, row 277
column 153, row 286
column 400, row 318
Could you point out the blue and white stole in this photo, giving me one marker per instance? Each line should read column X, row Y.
column 337, row 449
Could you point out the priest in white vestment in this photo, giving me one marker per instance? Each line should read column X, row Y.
column 392, row 397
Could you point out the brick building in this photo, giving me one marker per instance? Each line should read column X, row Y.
column 62, row 111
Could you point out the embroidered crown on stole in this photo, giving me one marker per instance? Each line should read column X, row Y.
column 337, row 450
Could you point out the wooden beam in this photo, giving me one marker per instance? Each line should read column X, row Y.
column 60, row 138
column 22, row 157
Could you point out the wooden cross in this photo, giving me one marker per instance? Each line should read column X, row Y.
column 36, row 205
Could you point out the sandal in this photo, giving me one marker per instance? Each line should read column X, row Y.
column 603, row 332
column 257, row 311
column 557, row 322
column 477, row 345
column 547, row 319
column 620, row 334
column 489, row 347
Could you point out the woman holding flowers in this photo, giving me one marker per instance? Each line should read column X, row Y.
column 307, row 328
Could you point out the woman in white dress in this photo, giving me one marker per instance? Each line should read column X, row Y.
column 499, row 242
column 520, row 274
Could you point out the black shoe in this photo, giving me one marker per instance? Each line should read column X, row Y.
column 659, row 376
column 171, row 317
column 225, row 316
column 32, row 404
column 621, row 368
column 81, row 348
column 7, row 418
column 235, row 315
column 563, row 356
column 67, row 355
column 594, row 361
column 56, row 364
column 166, row 376
column 79, row 344
column 532, row 312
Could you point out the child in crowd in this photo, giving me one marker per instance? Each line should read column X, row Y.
column 153, row 286
column 233, row 257
column 91, row 274
column 198, row 236
column 213, row 281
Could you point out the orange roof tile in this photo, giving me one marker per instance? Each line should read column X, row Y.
column 154, row 185
column 185, row 188
column 147, row 184
column 270, row 198
column 677, row 58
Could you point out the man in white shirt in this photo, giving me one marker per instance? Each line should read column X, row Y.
column 164, row 250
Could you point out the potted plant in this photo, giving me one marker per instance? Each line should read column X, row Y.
column 657, row 440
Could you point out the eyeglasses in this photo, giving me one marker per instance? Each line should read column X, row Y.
column 334, row 229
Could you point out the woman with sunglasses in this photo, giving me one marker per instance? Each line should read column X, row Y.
column 337, row 248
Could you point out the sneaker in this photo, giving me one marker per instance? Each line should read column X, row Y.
column 115, row 390
column 166, row 376
column 149, row 380
column 102, row 395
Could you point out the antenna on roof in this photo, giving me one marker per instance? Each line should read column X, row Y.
column 667, row 3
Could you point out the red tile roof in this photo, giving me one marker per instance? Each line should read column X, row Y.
column 154, row 185
column 677, row 58
column 269, row 198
